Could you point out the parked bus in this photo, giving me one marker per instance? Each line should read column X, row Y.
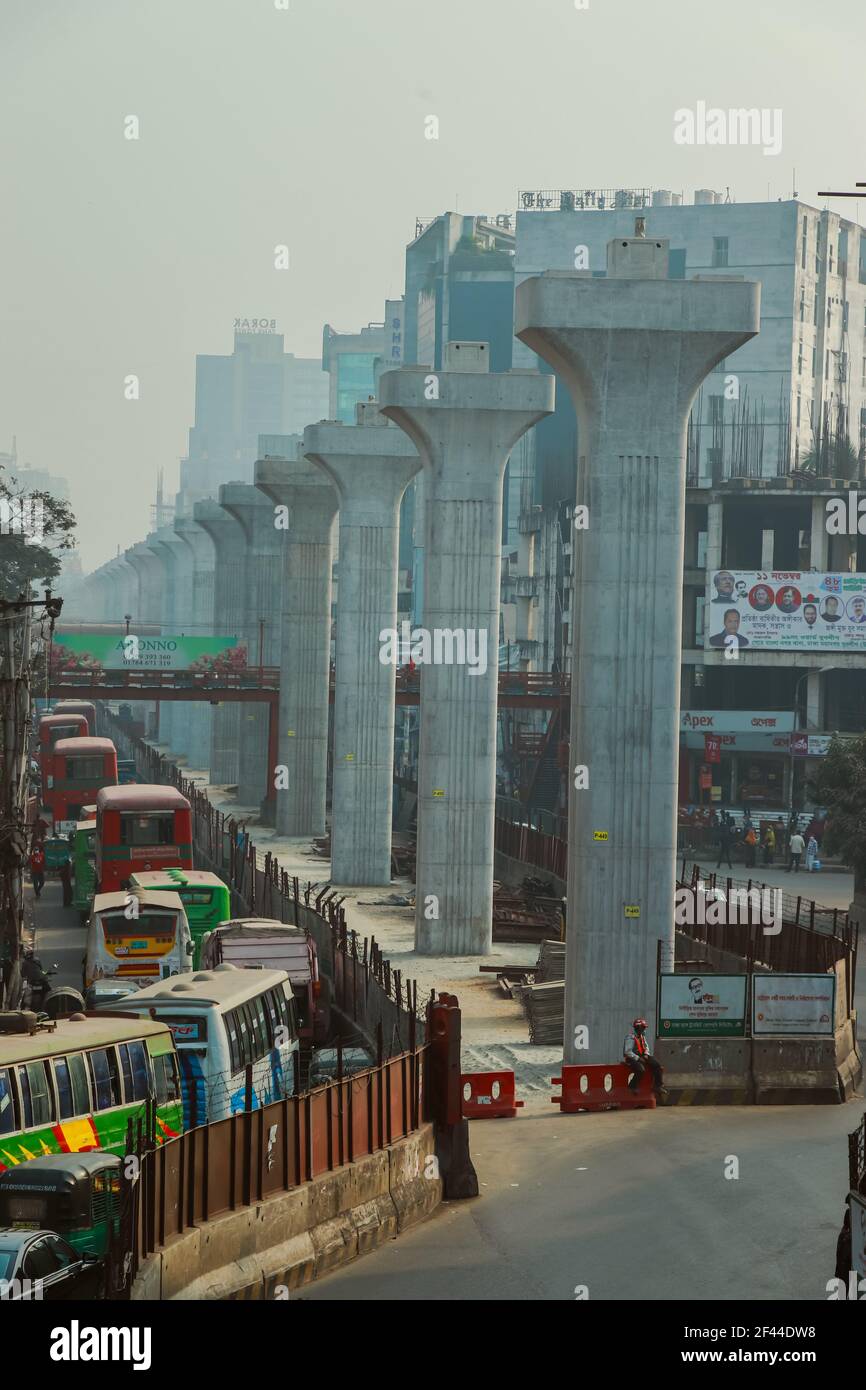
column 205, row 897
column 83, row 865
column 85, row 707
column 138, row 937
column 76, row 1087
column 253, row 942
column 224, row 1021
column 53, row 727
column 73, row 773
column 147, row 827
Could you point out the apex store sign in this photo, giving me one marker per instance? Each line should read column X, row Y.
column 736, row 721
column 739, row 731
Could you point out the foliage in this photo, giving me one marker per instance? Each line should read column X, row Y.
column 24, row 563
column 840, row 785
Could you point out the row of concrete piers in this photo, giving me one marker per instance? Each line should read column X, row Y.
column 632, row 348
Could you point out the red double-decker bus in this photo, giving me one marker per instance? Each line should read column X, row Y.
column 140, row 828
column 74, row 770
column 52, row 728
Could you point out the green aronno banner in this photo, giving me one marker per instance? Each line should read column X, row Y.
column 80, row 652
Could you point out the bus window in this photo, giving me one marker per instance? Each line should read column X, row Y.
column 166, row 1078
column 147, row 830
column 260, row 1027
column 90, row 769
column 273, row 1013
column 133, row 1060
column 7, row 1108
column 106, row 1081
column 233, row 1034
column 65, row 1103
column 80, row 1088
column 38, row 1102
column 244, row 1035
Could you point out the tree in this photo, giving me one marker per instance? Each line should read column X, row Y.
column 25, row 561
column 840, row 785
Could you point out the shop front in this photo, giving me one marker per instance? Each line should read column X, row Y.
column 735, row 758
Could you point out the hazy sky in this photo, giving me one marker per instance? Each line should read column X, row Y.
column 261, row 126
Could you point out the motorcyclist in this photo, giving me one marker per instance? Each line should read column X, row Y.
column 36, row 982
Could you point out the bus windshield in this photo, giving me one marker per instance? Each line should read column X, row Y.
column 152, row 925
column 90, row 769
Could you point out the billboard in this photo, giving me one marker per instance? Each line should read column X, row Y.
column 785, row 610
column 702, row 1006
column 793, row 1004
column 74, row 651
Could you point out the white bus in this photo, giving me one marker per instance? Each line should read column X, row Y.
column 140, row 937
column 225, row 1021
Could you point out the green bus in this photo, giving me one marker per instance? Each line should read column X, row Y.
column 206, row 899
column 84, row 864
column 73, row 1088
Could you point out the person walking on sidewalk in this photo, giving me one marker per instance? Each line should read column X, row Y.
column 769, row 845
column 811, row 854
column 750, row 840
column 37, row 867
column 795, row 851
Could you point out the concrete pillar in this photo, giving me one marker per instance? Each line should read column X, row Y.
column 260, row 623
column 814, row 701
column 171, row 553
column 148, row 601
column 201, row 559
column 308, row 557
column 715, row 533
column 370, row 465
column 229, row 545
column 768, row 546
column 819, row 540
column 633, row 349
column 464, row 421
column 418, row 529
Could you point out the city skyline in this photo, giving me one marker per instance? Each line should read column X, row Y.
column 132, row 256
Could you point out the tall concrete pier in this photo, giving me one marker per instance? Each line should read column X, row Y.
column 200, row 624
column 370, row 464
column 171, row 552
column 260, row 620
column 308, row 558
column 633, row 349
column 229, row 578
column 464, row 422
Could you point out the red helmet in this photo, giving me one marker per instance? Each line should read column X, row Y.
column 638, row 1023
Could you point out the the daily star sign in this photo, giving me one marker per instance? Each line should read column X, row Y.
column 735, row 721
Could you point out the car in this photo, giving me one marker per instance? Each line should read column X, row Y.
column 30, row 1256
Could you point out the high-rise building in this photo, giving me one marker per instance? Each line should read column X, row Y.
column 257, row 389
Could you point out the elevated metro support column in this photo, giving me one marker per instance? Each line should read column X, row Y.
column 633, row 349
column 169, row 550
column 308, row 559
column 201, row 559
column 370, row 465
column 229, row 545
column 260, row 624
column 464, row 421
column 147, row 613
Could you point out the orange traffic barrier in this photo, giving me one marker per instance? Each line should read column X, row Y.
column 489, row 1095
column 602, row 1088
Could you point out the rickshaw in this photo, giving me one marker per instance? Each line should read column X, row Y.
column 58, row 852
column 76, row 1194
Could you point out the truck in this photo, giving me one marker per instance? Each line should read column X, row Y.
column 263, row 943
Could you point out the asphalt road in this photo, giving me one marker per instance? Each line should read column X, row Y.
column 60, row 937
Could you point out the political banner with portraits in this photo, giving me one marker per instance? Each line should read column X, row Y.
column 785, row 610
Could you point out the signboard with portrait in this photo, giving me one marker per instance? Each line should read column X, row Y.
column 786, row 610
column 702, row 1006
column 784, row 1004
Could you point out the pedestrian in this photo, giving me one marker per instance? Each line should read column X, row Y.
column 750, row 840
column 636, row 1051
column 795, row 851
column 37, row 867
column 811, row 854
column 40, row 829
column 66, row 882
column 725, row 838
column 769, row 845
